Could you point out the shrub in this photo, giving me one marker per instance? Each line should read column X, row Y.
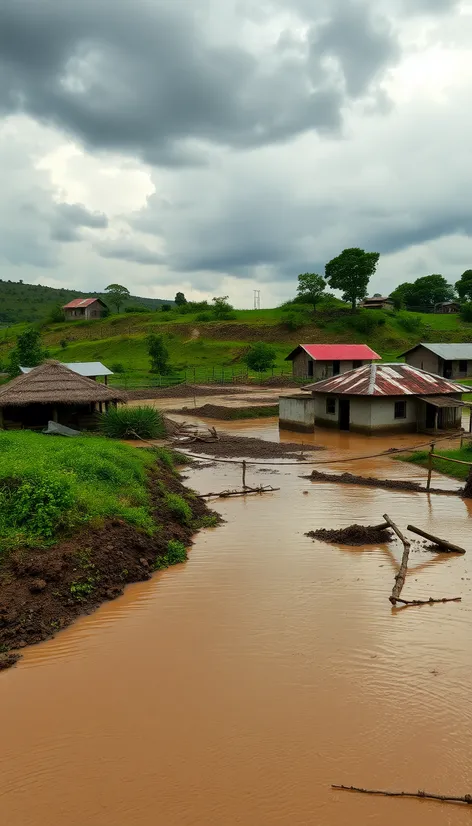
column 179, row 507
column 136, row 309
column 466, row 312
column 203, row 317
column 132, row 422
column 176, row 554
column 37, row 502
column 117, row 367
column 260, row 357
column 365, row 321
column 410, row 323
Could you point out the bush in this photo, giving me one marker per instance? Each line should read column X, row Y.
column 176, row 554
column 136, row 309
column 179, row 508
column 365, row 321
column 117, row 367
column 166, row 308
column 466, row 312
column 260, row 357
column 410, row 323
column 203, row 317
column 132, row 422
column 37, row 503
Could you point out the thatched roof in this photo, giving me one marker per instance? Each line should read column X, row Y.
column 54, row 383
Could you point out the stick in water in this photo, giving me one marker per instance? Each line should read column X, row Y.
column 400, row 577
column 467, row 798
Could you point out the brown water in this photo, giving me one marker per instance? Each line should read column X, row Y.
column 236, row 688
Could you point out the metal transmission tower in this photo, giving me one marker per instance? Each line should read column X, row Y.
column 257, row 299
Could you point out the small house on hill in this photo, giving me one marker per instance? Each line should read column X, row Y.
column 89, row 369
column 453, row 361
column 320, row 361
column 447, row 307
column 52, row 392
column 84, row 308
column 377, row 302
column 388, row 397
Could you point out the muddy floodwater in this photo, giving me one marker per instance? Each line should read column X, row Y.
column 236, row 688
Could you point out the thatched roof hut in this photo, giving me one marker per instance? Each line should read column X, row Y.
column 52, row 391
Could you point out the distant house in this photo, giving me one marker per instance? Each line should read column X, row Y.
column 84, row 308
column 52, row 392
column 447, row 307
column 89, row 369
column 453, row 361
column 377, row 302
column 319, row 361
column 388, row 397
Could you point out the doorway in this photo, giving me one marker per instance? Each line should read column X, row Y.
column 310, row 368
column 430, row 417
column 448, row 370
column 336, row 368
column 344, row 414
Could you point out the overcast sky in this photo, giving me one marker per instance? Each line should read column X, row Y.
column 218, row 146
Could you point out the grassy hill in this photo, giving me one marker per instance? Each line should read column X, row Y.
column 205, row 350
column 32, row 303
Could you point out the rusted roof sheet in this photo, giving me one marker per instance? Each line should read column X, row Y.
column 443, row 401
column 80, row 302
column 387, row 380
column 336, row 352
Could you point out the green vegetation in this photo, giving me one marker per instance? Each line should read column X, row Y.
column 158, row 354
column 464, row 286
column 351, row 272
column 442, row 465
column 176, row 553
column 424, row 292
column 132, row 423
column 260, row 357
column 27, row 353
column 311, row 287
column 179, row 507
column 49, row 484
column 117, row 295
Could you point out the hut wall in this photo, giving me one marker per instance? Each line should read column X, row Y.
column 424, row 359
column 297, row 413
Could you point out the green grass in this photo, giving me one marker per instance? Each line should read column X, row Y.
column 442, row 465
column 49, row 484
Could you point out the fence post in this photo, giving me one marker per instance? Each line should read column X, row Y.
column 430, row 467
column 244, row 473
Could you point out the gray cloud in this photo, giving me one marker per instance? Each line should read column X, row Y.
column 129, row 251
column 154, row 79
column 68, row 219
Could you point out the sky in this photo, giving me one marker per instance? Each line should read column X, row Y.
column 222, row 146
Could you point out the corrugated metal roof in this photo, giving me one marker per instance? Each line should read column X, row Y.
column 448, row 352
column 442, row 401
column 336, row 352
column 79, row 302
column 387, row 380
column 82, row 368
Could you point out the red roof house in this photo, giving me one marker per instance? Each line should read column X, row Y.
column 319, row 361
column 84, row 308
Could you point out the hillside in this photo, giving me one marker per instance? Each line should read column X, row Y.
column 202, row 351
column 32, row 303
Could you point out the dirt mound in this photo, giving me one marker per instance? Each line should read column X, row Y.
column 373, row 482
column 353, row 535
column 246, row 447
column 215, row 411
column 44, row 590
column 182, row 391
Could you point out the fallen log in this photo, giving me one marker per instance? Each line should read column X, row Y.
column 442, row 543
column 445, row 798
column 429, row 601
column 224, row 494
column 400, row 577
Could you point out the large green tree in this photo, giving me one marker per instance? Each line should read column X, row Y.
column 158, row 354
column 260, row 357
column 350, row 272
column 311, row 287
column 117, row 295
column 28, row 351
column 180, row 299
column 464, row 286
column 424, row 292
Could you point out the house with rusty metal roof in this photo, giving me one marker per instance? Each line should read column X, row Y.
column 453, row 361
column 85, row 309
column 388, row 397
column 320, row 361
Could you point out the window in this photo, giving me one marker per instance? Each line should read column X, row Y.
column 336, row 368
column 310, row 368
column 463, row 367
column 356, row 364
column 331, row 406
column 400, row 410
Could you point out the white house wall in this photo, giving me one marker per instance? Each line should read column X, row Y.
column 297, row 413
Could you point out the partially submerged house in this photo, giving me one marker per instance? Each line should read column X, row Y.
column 453, row 361
column 377, row 302
column 320, row 361
column 90, row 369
column 388, row 397
column 85, row 309
column 52, row 392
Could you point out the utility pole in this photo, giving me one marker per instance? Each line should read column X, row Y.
column 257, row 299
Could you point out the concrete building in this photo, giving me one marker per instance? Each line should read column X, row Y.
column 377, row 302
column 453, row 361
column 297, row 412
column 320, row 361
column 84, row 309
column 447, row 307
column 388, row 398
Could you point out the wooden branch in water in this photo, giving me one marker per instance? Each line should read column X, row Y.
column 400, row 577
column 443, row 543
column 246, row 492
column 429, row 601
column 467, row 798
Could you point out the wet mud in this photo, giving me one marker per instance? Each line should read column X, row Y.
column 229, row 446
column 373, row 482
column 214, row 411
column 353, row 535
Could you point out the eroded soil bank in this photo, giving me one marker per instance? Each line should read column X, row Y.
column 44, row 590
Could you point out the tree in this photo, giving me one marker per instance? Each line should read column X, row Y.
column 117, row 295
column 464, row 286
column 311, row 287
column 260, row 357
column 350, row 272
column 400, row 294
column 424, row 292
column 180, row 299
column 28, row 351
column 56, row 315
column 222, row 310
column 158, row 354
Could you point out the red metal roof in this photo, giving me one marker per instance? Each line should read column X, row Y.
column 336, row 352
column 387, row 380
column 80, row 302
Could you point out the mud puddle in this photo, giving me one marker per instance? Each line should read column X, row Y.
column 236, row 688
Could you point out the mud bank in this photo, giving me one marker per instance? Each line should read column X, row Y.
column 44, row 590
column 353, row 535
column 373, row 482
column 182, row 391
column 215, row 411
column 229, row 446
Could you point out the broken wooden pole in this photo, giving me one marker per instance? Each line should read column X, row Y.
column 446, row 798
column 430, row 467
column 443, row 543
column 400, row 577
column 244, row 473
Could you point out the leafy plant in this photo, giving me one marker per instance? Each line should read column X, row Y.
column 28, row 351
column 179, row 507
column 176, row 554
column 117, row 367
column 222, row 310
column 311, row 287
column 132, row 422
column 260, row 357
column 158, row 354
column 82, row 589
column 466, row 312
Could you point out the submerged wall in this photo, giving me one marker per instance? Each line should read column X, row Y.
column 297, row 413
